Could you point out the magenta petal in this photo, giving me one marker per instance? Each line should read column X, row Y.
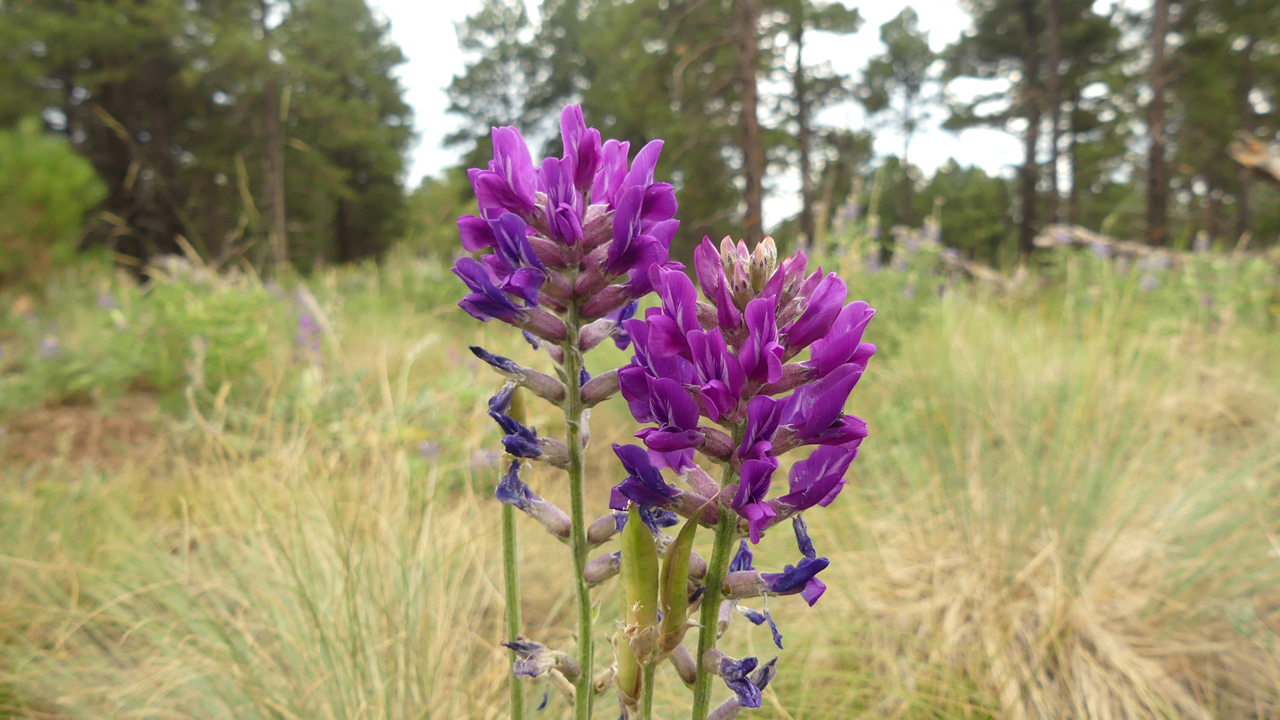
column 613, row 170
column 824, row 305
column 474, row 233
column 665, row 338
column 758, row 516
column 666, row 441
column 706, row 266
column 641, row 172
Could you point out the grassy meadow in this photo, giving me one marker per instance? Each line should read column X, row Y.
column 1067, row 508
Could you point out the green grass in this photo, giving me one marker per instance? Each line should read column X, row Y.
column 1067, row 508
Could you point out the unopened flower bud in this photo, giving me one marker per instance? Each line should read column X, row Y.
column 600, row 388
column 602, row 568
column 764, row 261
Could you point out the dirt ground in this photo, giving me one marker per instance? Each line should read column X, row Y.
column 81, row 433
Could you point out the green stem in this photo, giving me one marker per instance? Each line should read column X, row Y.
column 511, row 585
column 646, row 690
column 577, row 514
column 726, row 532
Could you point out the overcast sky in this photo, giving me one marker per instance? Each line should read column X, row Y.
column 424, row 29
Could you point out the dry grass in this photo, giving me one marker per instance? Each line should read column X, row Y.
column 1054, row 518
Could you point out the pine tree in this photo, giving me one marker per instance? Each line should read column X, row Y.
column 897, row 84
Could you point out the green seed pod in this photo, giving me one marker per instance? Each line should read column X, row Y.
column 675, row 588
column 640, row 571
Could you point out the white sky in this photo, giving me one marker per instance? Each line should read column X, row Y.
column 424, row 29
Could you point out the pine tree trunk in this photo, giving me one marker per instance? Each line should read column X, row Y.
column 1244, row 205
column 277, row 238
column 804, row 138
column 1031, row 110
column 908, row 187
column 1157, row 171
column 748, row 11
column 1054, row 101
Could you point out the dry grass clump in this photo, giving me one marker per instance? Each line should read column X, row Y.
column 1073, row 526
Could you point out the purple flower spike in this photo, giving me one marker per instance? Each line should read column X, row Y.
column 824, row 305
column 761, row 354
column 798, row 579
column 644, row 484
column 510, row 181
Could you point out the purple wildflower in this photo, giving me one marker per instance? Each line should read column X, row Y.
column 583, row 227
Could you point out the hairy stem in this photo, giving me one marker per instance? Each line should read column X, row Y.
column 726, row 531
column 511, row 585
column 646, row 690
column 577, row 513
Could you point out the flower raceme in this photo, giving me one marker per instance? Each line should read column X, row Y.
column 725, row 359
column 722, row 376
column 585, row 226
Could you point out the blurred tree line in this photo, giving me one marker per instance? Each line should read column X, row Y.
column 1124, row 116
column 274, row 130
column 266, row 129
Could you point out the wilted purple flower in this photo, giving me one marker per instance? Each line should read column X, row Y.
column 645, row 487
column 428, row 449
column 798, row 579
column 519, row 441
column 736, row 674
column 511, row 490
column 644, row 484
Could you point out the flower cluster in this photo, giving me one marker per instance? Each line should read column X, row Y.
column 584, row 226
column 724, row 377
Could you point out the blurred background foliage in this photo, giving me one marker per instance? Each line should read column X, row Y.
column 45, row 191
column 233, row 122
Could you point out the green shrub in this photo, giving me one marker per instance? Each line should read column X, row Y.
column 45, row 190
